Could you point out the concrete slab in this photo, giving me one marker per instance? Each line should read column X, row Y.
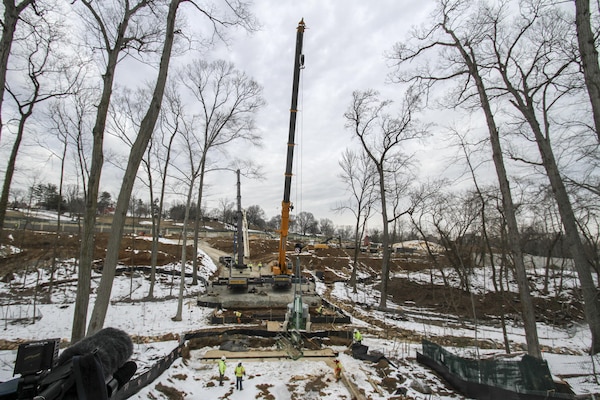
column 257, row 296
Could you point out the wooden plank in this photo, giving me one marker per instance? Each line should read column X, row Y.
column 274, row 326
column 216, row 354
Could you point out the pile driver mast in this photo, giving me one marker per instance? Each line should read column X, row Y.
column 281, row 271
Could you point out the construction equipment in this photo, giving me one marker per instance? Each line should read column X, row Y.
column 282, row 276
column 238, row 281
column 297, row 318
column 325, row 244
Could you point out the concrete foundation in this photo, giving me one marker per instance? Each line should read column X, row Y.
column 248, row 295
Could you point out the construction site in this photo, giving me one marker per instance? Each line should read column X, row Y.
column 270, row 299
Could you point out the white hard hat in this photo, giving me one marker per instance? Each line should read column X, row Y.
column 355, row 330
column 223, row 358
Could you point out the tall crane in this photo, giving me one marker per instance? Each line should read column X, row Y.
column 237, row 281
column 281, row 272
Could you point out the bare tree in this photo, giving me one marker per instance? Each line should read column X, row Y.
column 74, row 115
column 360, row 177
column 44, row 72
column 169, row 128
column 486, row 221
column 125, row 117
column 326, row 227
column 381, row 135
column 455, row 36
column 60, row 128
column 428, row 194
column 67, row 118
column 228, row 101
column 306, row 222
column 226, row 212
column 113, row 28
column 453, row 217
column 256, row 216
column 189, row 178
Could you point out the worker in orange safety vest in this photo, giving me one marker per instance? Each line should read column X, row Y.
column 337, row 369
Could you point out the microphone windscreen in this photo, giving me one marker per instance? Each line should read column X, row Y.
column 113, row 347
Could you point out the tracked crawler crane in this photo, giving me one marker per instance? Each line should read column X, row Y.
column 282, row 275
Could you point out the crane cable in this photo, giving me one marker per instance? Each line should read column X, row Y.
column 299, row 166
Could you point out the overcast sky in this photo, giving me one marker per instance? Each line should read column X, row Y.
column 344, row 46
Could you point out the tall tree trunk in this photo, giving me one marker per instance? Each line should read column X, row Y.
column 160, row 210
column 524, row 102
column 86, row 254
column 10, row 168
column 179, row 314
column 155, row 226
column 385, row 262
column 91, row 196
column 528, row 313
column 58, row 219
column 487, row 245
column 591, row 305
column 197, row 220
column 357, row 236
column 531, row 336
column 589, row 57
column 137, row 152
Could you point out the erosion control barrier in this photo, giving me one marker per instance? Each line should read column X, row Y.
column 525, row 379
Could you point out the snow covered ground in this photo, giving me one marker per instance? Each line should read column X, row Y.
column 196, row 378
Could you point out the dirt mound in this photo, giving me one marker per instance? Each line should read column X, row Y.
column 38, row 249
column 559, row 311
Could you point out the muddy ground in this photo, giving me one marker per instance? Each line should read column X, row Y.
column 37, row 250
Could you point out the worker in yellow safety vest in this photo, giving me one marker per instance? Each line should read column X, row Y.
column 239, row 374
column 238, row 315
column 357, row 336
column 222, row 367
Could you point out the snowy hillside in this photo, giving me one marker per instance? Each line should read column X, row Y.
column 155, row 334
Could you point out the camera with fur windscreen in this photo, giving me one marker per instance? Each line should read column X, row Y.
column 94, row 368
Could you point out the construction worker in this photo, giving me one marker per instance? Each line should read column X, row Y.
column 357, row 336
column 222, row 367
column 238, row 315
column 337, row 369
column 239, row 374
column 320, row 309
